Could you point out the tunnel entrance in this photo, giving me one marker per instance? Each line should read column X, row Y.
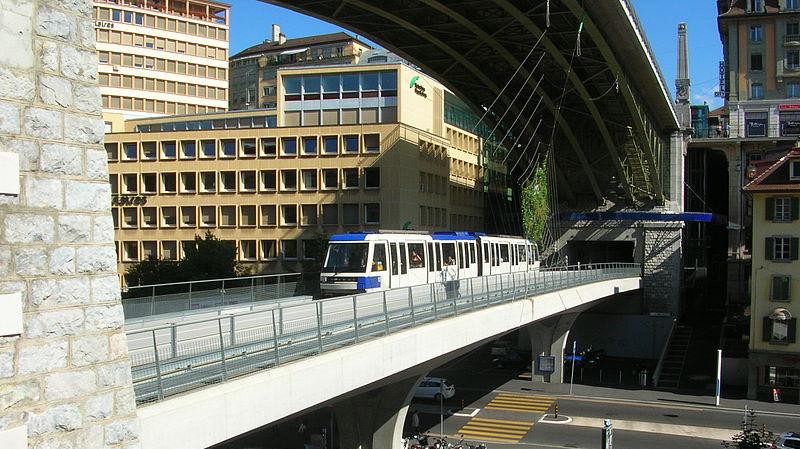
column 600, row 251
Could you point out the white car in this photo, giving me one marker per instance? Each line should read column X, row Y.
column 434, row 388
column 787, row 440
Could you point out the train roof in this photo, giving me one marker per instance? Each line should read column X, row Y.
column 438, row 235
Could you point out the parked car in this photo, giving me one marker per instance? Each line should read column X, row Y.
column 512, row 359
column 433, row 388
column 501, row 347
column 787, row 440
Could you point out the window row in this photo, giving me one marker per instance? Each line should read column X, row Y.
column 463, row 141
column 165, row 23
column 433, row 216
column 336, row 86
column 164, row 86
column 781, row 248
column 162, row 65
column 168, row 45
column 464, row 169
column 466, row 222
column 246, row 250
column 246, row 181
column 344, row 116
column 431, row 183
column 460, row 196
column 158, row 106
column 246, row 122
column 782, row 209
column 246, row 148
column 248, row 216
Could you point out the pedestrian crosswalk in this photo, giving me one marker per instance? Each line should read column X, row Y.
column 495, row 430
column 520, row 403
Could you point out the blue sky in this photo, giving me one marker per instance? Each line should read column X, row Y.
column 251, row 21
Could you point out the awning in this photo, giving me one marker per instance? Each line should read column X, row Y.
column 780, row 314
column 294, row 52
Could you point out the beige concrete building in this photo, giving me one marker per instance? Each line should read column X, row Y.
column 161, row 57
column 254, row 70
column 357, row 147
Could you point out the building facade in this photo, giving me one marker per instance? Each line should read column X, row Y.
column 254, row 71
column 356, row 147
column 161, row 57
column 774, row 351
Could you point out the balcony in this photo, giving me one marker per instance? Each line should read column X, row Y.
column 791, row 39
column 771, row 131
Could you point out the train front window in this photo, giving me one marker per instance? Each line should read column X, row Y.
column 379, row 258
column 347, row 257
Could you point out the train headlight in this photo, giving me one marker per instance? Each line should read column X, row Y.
column 323, row 279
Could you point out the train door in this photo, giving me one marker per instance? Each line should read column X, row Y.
column 417, row 270
column 394, row 265
column 379, row 266
column 403, row 259
column 449, row 261
column 504, row 257
column 431, row 261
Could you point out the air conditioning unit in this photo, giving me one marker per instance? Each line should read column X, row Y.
column 115, row 68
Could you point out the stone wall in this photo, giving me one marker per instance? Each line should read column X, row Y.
column 65, row 382
column 662, row 270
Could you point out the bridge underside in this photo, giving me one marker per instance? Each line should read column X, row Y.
column 580, row 77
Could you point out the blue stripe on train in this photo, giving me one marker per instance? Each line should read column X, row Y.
column 365, row 282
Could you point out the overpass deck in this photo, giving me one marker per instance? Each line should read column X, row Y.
column 171, row 359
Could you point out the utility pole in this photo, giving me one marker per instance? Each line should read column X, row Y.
column 572, row 374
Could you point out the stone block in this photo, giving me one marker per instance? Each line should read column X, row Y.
column 70, row 384
column 87, row 98
column 90, row 438
column 62, row 418
column 118, row 346
column 97, row 165
column 104, row 317
column 86, row 32
column 58, row 442
column 84, row 129
column 81, row 8
column 6, row 363
column 122, row 432
column 89, row 350
column 97, row 259
column 5, row 254
column 125, row 402
column 44, row 123
column 44, row 193
column 16, row 86
column 103, row 230
column 48, row 55
column 56, row 91
column 9, row 117
column 54, row 24
column 18, row 394
column 30, row 261
column 29, row 228
column 80, row 65
column 74, row 228
column 62, row 159
column 55, row 324
column 88, row 196
column 43, row 358
column 16, row 34
column 105, row 289
column 59, row 292
column 62, row 261
column 100, row 407
column 114, row 375
column 27, row 150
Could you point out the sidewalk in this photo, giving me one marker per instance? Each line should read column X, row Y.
column 653, row 396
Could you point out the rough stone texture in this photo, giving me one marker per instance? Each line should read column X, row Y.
column 67, row 378
column 662, row 269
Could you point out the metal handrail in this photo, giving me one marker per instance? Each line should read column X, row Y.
column 197, row 281
column 217, row 349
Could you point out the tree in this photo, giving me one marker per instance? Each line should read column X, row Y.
column 211, row 258
column 154, row 271
column 751, row 437
column 314, row 252
column 535, row 206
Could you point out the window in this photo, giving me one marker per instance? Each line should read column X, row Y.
column 288, row 215
column 755, row 5
column 247, row 250
column 208, row 182
column 780, row 328
column 288, row 180
column 130, row 251
column 129, row 217
column 112, row 151
column 782, row 209
column 755, row 124
column 228, row 148
column 756, row 61
column 350, row 178
column 149, row 217
column 350, row 214
column 149, row 183
column 372, row 213
column 247, row 216
column 372, row 143
column 227, row 216
column 130, row 183
column 372, row 178
column 169, row 217
column 169, row 183
column 209, row 148
column 379, row 257
column 330, row 179
column 781, row 288
column 208, row 216
column 330, row 214
column 792, row 4
column 330, row 145
column 269, row 249
column 247, row 181
column 793, row 90
column 756, row 33
column 309, row 179
column 350, row 144
column 188, row 217
column 794, row 170
column 267, row 181
column 227, row 181
column 268, row 147
column 188, row 149
column 781, row 249
column 792, row 28
column 308, row 215
column 756, row 91
column 288, row 146
column 793, row 59
column 309, row 146
column 188, row 182
column 168, row 150
column 289, row 249
column 248, row 147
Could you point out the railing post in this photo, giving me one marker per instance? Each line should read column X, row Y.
column 280, row 320
column 153, row 301
column 173, row 339
column 275, row 339
column 456, row 294
column 232, row 330
column 385, row 314
column 472, row 293
column 223, row 292
column 486, row 291
column 158, row 367
column 222, row 350
column 355, row 318
column 252, row 290
column 280, row 293
column 319, row 325
column 502, row 290
column 190, row 296
column 433, row 295
column 411, row 305
column 513, row 286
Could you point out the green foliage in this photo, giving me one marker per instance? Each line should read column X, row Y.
column 315, row 250
column 535, row 206
column 751, row 437
column 208, row 258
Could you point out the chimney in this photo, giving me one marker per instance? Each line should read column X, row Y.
column 282, row 39
column 682, row 83
column 276, row 32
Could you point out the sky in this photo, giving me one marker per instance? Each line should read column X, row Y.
column 251, row 23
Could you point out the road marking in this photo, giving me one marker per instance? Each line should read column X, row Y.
column 496, row 430
column 710, row 433
column 520, row 403
column 468, row 415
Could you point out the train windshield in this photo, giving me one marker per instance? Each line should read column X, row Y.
column 347, row 258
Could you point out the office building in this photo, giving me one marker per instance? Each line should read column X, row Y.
column 774, row 373
column 254, row 70
column 161, row 57
column 348, row 148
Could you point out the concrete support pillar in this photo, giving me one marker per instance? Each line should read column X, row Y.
column 374, row 420
column 549, row 337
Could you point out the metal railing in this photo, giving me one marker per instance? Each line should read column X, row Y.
column 158, row 299
column 171, row 359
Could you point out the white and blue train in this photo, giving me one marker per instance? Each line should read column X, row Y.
column 361, row 262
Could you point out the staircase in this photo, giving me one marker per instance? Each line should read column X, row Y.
column 672, row 367
column 635, row 170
